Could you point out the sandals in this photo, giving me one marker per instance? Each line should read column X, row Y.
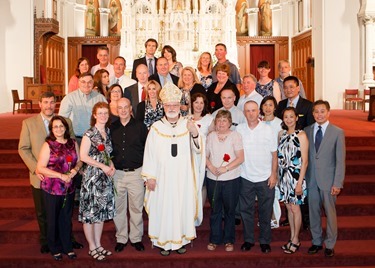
column 164, row 252
column 211, row 246
column 286, row 246
column 229, row 247
column 103, row 251
column 293, row 248
column 96, row 255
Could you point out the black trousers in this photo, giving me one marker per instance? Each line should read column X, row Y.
column 59, row 222
column 40, row 212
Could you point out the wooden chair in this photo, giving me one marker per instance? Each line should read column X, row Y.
column 16, row 100
column 366, row 98
column 351, row 96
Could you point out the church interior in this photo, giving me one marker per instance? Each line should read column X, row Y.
column 329, row 43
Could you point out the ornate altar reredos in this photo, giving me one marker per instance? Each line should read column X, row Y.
column 189, row 26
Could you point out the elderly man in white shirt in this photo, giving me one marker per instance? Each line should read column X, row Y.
column 259, row 177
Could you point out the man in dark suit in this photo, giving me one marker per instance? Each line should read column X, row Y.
column 33, row 133
column 305, row 118
column 325, row 176
column 149, row 59
column 136, row 90
column 303, row 106
column 163, row 76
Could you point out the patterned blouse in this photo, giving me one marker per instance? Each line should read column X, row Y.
column 63, row 157
column 152, row 115
column 265, row 90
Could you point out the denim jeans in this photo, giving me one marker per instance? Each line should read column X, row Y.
column 226, row 198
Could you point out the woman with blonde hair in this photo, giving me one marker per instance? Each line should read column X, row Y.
column 189, row 85
column 151, row 109
column 204, row 69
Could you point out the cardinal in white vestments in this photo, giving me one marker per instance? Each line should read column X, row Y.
column 173, row 169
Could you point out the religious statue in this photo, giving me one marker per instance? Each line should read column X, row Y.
column 113, row 18
column 265, row 18
column 91, row 17
column 178, row 5
column 241, row 17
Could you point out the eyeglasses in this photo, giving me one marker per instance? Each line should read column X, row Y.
column 103, row 113
column 115, row 91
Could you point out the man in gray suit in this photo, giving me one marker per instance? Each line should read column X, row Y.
column 33, row 133
column 325, row 176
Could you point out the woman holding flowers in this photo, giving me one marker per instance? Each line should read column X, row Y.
column 223, row 159
column 97, row 190
column 58, row 162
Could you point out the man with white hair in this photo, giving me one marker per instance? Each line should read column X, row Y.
column 173, row 180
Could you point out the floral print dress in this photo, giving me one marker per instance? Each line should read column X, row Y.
column 97, row 199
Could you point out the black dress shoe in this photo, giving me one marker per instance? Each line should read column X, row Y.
column 76, row 245
column 329, row 252
column 138, row 246
column 57, row 257
column 265, row 248
column 284, row 222
column 120, row 247
column 314, row 249
column 44, row 249
column 246, row 246
column 72, row 255
column 237, row 221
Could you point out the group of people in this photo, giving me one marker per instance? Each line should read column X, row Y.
column 171, row 137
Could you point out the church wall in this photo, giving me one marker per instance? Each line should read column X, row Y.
column 16, row 48
column 336, row 49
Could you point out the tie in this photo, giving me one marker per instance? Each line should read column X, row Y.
column 117, row 81
column 143, row 94
column 46, row 123
column 150, row 68
column 318, row 138
column 291, row 104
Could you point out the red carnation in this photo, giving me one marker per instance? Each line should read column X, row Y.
column 226, row 158
column 212, row 104
column 199, row 125
column 101, row 147
column 69, row 159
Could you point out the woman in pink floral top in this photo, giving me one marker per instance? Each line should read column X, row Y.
column 58, row 163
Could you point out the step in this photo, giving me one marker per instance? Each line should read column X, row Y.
column 359, row 185
column 10, row 157
column 9, row 144
column 347, row 253
column 360, row 167
column 16, row 170
column 350, row 228
column 360, row 153
column 15, row 188
column 359, row 141
column 23, row 208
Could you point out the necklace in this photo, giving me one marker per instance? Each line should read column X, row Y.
column 222, row 137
